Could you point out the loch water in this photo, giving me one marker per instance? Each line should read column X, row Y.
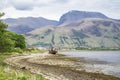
column 107, row 62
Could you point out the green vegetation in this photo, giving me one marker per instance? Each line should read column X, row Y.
column 33, row 50
column 11, row 73
column 10, row 41
column 12, row 44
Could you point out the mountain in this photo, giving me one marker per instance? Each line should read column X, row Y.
column 89, row 32
column 79, row 15
column 24, row 25
column 74, row 29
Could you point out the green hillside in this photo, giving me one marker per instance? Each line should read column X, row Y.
column 88, row 33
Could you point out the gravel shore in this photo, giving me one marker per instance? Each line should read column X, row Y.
column 55, row 67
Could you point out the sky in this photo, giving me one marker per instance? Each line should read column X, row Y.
column 54, row 9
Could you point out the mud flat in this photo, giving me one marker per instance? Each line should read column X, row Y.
column 55, row 67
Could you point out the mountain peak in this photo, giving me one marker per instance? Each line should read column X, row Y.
column 75, row 15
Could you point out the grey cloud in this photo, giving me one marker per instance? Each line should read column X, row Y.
column 17, row 4
column 22, row 5
column 61, row 1
column 29, row 4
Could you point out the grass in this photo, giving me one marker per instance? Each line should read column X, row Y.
column 8, row 72
column 102, row 76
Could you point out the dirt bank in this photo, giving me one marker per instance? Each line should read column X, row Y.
column 55, row 67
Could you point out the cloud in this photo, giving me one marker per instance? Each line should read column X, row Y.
column 23, row 7
column 22, row 4
column 110, row 5
column 4, row 4
column 29, row 4
column 61, row 1
column 53, row 9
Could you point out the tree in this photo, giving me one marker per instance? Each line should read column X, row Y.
column 5, row 42
column 10, row 40
column 3, row 26
column 19, row 41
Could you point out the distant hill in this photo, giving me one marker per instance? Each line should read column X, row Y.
column 24, row 25
column 74, row 29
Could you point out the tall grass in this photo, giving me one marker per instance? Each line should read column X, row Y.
column 8, row 72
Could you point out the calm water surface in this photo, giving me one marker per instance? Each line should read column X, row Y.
column 109, row 56
column 112, row 67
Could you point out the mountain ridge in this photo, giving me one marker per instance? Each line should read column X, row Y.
column 75, row 15
column 90, row 33
column 24, row 25
column 73, row 30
